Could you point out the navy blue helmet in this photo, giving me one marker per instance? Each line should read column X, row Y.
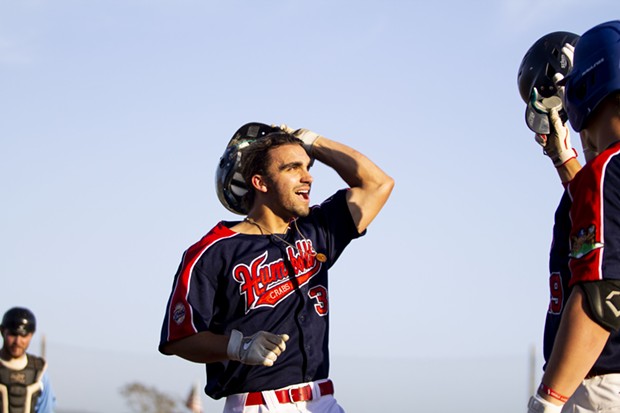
column 230, row 184
column 19, row 320
column 595, row 74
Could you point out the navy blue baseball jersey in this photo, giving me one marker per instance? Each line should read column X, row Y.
column 276, row 283
column 588, row 223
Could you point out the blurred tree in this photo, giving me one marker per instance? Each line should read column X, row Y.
column 144, row 399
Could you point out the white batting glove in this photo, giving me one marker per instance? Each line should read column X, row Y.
column 557, row 144
column 262, row 348
column 568, row 51
column 306, row 136
column 539, row 405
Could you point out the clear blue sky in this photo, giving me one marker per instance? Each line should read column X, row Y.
column 113, row 115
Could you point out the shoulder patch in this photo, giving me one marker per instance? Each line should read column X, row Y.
column 584, row 242
column 178, row 314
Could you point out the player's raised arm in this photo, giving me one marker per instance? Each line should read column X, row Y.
column 557, row 146
column 540, row 76
column 370, row 186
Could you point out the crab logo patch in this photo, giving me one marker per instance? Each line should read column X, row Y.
column 584, row 242
column 178, row 315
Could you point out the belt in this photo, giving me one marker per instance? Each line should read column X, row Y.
column 293, row 395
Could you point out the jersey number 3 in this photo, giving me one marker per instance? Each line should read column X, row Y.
column 319, row 293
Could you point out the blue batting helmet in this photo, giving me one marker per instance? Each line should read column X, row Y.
column 595, row 74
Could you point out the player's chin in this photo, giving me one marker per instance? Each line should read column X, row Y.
column 16, row 352
column 302, row 210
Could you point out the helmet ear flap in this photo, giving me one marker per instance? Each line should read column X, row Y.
column 579, row 91
column 230, row 185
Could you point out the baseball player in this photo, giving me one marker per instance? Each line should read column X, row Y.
column 582, row 342
column 250, row 299
column 24, row 384
column 545, row 63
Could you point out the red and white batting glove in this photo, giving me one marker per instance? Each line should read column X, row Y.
column 557, row 144
column 539, row 405
column 306, row 136
column 262, row 348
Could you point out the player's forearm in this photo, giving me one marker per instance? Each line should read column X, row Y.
column 353, row 167
column 578, row 344
column 568, row 170
column 203, row 347
column 370, row 186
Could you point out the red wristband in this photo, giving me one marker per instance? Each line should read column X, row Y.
column 544, row 389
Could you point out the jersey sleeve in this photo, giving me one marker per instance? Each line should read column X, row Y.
column 189, row 308
column 47, row 400
column 595, row 216
column 339, row 228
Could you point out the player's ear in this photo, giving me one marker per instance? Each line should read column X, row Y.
column 259, row 183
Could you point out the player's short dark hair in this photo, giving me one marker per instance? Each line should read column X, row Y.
column 256, row 159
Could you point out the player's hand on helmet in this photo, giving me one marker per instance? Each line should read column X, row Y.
column 306, row 136
column 568, row 51
column 539, row 405
column 557, row 145
column 262, row 348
